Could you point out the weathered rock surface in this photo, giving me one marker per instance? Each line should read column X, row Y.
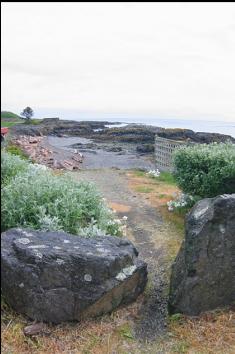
column 196, row 137
column 59, row 127
column 56, row 277
column 128, row 134
column 203, row 275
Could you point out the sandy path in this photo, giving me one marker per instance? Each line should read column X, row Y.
column 146, row 229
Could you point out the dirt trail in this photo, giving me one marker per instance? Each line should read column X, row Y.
column 146, row 229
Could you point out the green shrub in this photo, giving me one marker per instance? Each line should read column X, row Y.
column 11, row 165
column 15, row 150
column 37, row 199
column 206, row 170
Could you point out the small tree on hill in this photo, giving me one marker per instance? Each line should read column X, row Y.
column 27, row 113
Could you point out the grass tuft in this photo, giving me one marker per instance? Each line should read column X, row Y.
column 15, row 150
column 144, row 189
column 166, row 177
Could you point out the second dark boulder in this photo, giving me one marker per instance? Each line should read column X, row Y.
column 203, row 274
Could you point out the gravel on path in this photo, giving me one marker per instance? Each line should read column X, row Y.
column 147, row 230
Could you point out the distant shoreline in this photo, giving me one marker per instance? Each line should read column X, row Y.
column 206, row 126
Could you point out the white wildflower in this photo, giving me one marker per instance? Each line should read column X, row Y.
column 181, row 201
column 154, row 173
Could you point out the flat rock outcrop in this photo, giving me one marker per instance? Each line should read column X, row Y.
column 128, row 134
column 56, row 277
column 203, row 274
column 59, row 127
column 196, row 137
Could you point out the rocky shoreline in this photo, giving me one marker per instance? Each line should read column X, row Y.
column 40, row 152
column 101, row 145
column 98, row 131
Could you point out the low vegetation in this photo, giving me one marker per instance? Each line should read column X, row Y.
column 32, row 121
column 10, row 124
column 33, row 197
column 165, row 177
column 206, row 170
column 9, row 115
column 15, row 150
column 160, row 189
column 11, row 165
column 8, row 119
column 144, row 189
column 209, row 333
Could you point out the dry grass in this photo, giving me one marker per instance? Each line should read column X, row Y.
column 211, row 333
column 143, row 189
column 106, row 335
column 158, row 193
column 120, row 208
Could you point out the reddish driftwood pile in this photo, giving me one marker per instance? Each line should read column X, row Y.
column 33, row 148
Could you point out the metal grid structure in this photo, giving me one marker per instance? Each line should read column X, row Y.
column 164, row 149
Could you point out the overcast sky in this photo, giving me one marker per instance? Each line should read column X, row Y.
column 172, row 60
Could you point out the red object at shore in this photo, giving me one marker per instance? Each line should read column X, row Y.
column 4, row 131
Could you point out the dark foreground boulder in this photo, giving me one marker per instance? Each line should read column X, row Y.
column 203, row 274
column 56, row 277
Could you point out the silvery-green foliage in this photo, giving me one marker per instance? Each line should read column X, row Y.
column 47, row 222
column 206, row 170
column 38, row 199
column 11, row 165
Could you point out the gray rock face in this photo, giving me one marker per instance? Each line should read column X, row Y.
column 203, row 274
column 56, row 277
column 197, row 137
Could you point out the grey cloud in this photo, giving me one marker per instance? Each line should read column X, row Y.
column 168, row 58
